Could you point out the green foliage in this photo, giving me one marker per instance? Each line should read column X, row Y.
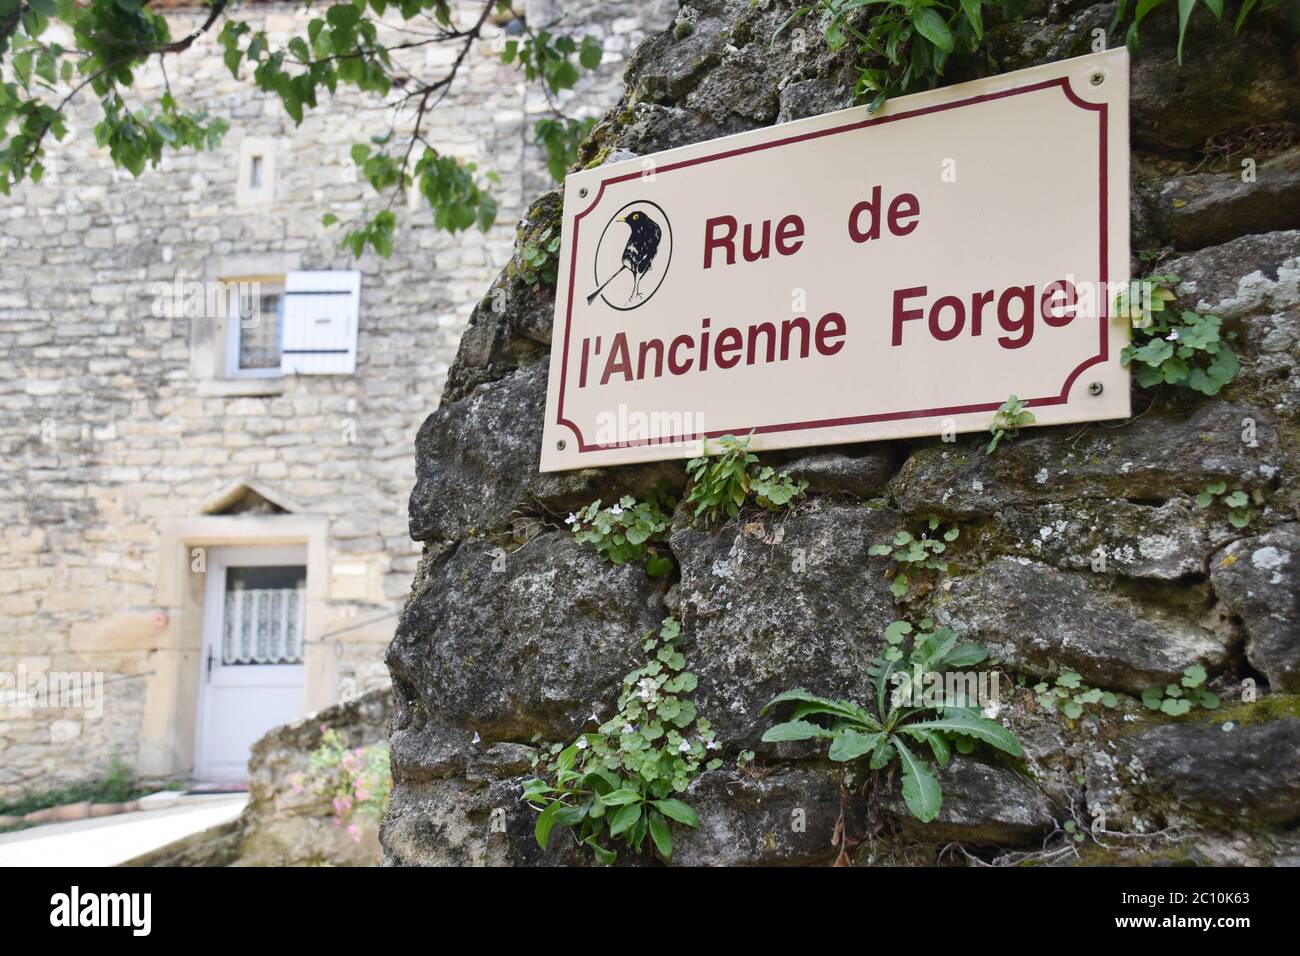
column 721, row 484
column 914, row 555
column 1186, row 350
column 1236, row 501
column 882, row 735
column 913, row 38
column 339, row 49
column 539, row 258
column 560, row 138
column 1142, row 8
column 1177, row 699
column 617, row 785
column 1011, row 416
column 549, row 58
column 357, row 780
column 119, row 786
column 628, row 530
column 1071, row 695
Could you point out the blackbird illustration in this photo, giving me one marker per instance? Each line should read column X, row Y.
column 639, row 253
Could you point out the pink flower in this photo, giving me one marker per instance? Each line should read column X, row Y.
column 354, row 833
column 362, row 795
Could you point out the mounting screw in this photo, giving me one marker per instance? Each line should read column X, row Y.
column 1094, row 388
column 560, row 445
column 582, row 193
column 1097, row 79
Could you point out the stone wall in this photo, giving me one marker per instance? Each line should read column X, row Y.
column 482, row 662
column 286, row 822
column 109, row 424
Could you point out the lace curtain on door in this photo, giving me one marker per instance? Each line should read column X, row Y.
column 264, row 624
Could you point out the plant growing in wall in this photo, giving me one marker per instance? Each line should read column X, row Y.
column 914, row 39
column 722, row 483
column 1169, row 347
column 357, row 780
column 1177, row 699
column 1010, row 417
column 901, row 719
column 913, row 556
column 628, row 530
column 1141, row 9
column 1236, row 501
column 618, row 785
column 1071, row 695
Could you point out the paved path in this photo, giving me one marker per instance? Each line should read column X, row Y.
column 108, row 841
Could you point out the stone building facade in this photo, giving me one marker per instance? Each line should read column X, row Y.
column 133, row 448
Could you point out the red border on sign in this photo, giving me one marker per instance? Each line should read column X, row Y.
column 1062, row 82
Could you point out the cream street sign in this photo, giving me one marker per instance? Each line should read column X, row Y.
column 850, row 277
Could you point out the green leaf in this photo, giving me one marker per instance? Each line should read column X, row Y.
column 589, row 54
column 973, row 14
column 625, row 818
column 603, row 856
column 659, row 833
column 546, row 821
column 921, row 790
column 795, row 730
column 970, row 724
column 1241, row 16
column 677, row 810
column 850, row 744
column 621, row 797
column 931, row 25
column 841, row 708
column 1185, row 8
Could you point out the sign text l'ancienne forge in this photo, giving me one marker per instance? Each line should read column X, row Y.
column 850, row 277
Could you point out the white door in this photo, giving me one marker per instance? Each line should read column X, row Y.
column 252, row 676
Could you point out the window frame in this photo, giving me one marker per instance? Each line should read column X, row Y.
column 267, row 285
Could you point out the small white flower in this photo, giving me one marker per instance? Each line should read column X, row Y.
column 647, row 689
column 712, row 744
column 476, row 738
column 684, row 746
column 572, row 519
column 582, row 743
column 616, row 510
column 628, row 729
column 1172, row 336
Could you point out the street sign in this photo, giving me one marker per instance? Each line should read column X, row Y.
column 851, row 277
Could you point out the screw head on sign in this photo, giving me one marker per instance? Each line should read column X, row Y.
column 1094, row 388
column 1097, row 79
column 582, row 192
column 560, row 445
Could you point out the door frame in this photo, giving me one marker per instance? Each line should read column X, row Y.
column 219, row 561
column 171, row 689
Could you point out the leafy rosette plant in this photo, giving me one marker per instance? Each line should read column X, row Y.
column 619, row 783
column 628, row 530
column 721, row 483
column 901, row 720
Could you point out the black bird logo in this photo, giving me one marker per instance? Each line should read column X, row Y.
column 639, row 253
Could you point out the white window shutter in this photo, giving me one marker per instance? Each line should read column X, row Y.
column 322, row 311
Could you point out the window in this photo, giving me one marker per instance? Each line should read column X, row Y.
column 255, row 327
column 263, row 615
column 301, row 323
